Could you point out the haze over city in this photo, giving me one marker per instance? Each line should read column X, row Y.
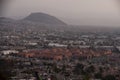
column 78, row 12
column 59, row 39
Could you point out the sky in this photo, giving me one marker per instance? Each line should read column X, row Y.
column 75, row 12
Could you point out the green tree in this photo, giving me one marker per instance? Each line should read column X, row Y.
column 78, row 69
column 86, row 77
column 5, row 69
column 98, row 75
column 90, row 69
column 109, row 77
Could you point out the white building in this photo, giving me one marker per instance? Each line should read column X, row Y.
column 6, row 52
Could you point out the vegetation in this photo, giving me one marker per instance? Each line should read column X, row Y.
column 78, row 69
column 109, row 77
column 6, row 69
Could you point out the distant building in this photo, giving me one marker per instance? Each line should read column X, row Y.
column 6, row 52
column 56, row 45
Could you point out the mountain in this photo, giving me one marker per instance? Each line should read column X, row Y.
column 4, row 19
column 10, row 24
column 44, row 19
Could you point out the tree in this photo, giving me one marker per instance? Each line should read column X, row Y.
column 98, row 75
column 5, row 69
column 56, row 69
column 78, row 69
column 86, row 77
column 109, row 77
column 90, row 69
column 53, row 77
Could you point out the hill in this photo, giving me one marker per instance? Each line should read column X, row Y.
column 44, row 19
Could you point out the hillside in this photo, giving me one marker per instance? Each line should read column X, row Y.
column 44, row 19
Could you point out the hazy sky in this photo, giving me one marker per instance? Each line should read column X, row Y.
column 79, row 12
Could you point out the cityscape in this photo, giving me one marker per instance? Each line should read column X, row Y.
column 44, row 53
column 59, row 40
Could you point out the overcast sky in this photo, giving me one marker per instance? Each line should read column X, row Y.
column 78, row 12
